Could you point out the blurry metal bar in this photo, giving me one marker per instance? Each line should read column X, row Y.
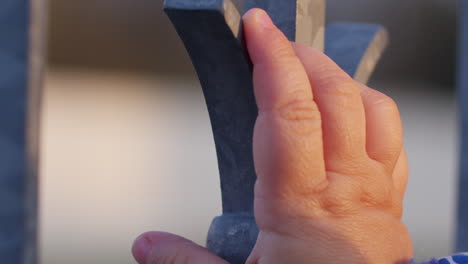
column 356, row 48
column 22, row 25
column 462, row 220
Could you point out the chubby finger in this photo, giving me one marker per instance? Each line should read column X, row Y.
column 288, row 149
column 339, row 100
column 161, row 248
column 383, row 125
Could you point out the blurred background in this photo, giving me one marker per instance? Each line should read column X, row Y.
column 127, row 144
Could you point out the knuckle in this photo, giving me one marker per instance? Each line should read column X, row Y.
column 299, row 109
column 382, row 197
column 340, row 199
column 339, row 207
column 377, row 189
column 301, row 115
column 285, row 53
column 347, row 195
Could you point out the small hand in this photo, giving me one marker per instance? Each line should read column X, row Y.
column 330, row 163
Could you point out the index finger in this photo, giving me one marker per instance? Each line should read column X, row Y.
column 288, row 149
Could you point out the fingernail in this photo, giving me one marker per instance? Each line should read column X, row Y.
column 260, row 17
column 141, row 248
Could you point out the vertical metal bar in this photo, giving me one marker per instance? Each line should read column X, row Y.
column 21, row 58
column 462, row 220
column 210, row 31
column 226, row 79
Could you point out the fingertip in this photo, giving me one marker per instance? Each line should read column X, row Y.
column 144, row 244
column 264, row 40
column 160, row 247
column 141, row 248
column 258, row 17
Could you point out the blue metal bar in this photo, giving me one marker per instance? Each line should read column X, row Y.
column 356, row 47
column 225, row 74
column 13, row 88
column 20, row 63
column 462, row 220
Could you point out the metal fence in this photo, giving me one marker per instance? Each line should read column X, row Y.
column 22, row 34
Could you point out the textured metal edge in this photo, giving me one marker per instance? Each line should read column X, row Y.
column 233, row 18
column 228, row 8
column 36, row 57
column 193, row 4
column 372, row 56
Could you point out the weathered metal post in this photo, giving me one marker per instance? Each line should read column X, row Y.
column 212, row 33
column 22, row 24
column 462, row 224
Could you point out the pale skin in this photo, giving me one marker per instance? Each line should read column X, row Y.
column 330, row 162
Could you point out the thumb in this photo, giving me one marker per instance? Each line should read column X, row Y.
column 162, row 248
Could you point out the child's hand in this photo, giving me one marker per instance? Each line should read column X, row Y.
column 330, row 163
